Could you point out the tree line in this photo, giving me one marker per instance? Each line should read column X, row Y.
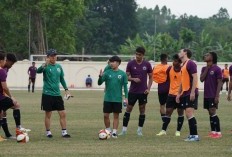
column 109, row 27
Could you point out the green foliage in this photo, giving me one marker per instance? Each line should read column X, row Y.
column 106, row 25
column 154, row 45
column 57, row 16
column 109, row 27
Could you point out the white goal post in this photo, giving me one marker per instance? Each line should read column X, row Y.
column 36, row 57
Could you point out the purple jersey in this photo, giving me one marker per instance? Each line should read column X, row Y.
column 164, row 87
column 211, row 81
column 32, row 71
column 140, row 71
column 3, row 76
column 192, row 69
column 230, row 70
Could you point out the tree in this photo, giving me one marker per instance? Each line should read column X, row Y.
column 58, row 16
column 113, row 22
column 187, row 36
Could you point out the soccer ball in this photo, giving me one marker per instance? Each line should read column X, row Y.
column 22, row 138
column 104, row 134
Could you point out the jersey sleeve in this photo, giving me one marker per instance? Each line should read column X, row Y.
column 62, row 80
column 125, row 85
column 202, row 69
column 3, row 75
column 230, row 70
column 128, row 67
column 102, row 78
column 219, row 73
column 191, row 67
column 149, row 68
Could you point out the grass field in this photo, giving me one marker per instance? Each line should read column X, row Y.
column 85, row 119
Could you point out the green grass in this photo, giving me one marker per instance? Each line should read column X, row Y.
column 85, row 119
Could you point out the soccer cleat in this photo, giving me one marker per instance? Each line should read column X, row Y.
column 49, row 136
column 216, row 135
column 2, row 139
column 177, row 133
column 211, row 134
column 66, row 136
column 139, row 133
column 122, row 133
column 24, row 130
column 192, row 138
column 11, row 137
column 114, row 135
column 161, row 133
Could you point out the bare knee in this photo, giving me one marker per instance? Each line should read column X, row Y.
column 129, row 108
column 169, row 112
column 142, row 109
column 212, row 111
column 189, row 112
column 106, row 115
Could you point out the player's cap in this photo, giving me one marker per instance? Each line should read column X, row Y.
column 115, row 58
column 51, row 52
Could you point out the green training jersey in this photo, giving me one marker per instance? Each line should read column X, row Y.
column 53, row 75
column 114, row 81
column 108, row 67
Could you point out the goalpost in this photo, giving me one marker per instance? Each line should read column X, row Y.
column 36, row 57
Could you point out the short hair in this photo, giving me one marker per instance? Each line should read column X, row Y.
column 140, row 50
column 226, row 64
column 189, row 52
column 176, row 57
column 2, row 56
column 115, row 58
column 11, row 57
column 33, row 62
column 163, row 57
column 214, row 55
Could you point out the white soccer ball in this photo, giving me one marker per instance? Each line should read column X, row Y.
column 22, row 138
column 104, row 134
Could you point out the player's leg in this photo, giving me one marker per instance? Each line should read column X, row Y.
column 142, row 116
column 115, row 125
column 170, row 104
column 29, row 85
column 107, row 109
column 214, row 120
column 1, row 138
column 46, row 106
column 227, row 85
column 132, row 98
column 59, row 106
column 206, row 104
column 162, row 100
column 166, row 121
column 63, row 124
column 117, row 108
column 5, row 126
column 47, row 121
column 33, row 85
column 17, row 114
column 189, row 112
column 180, row 120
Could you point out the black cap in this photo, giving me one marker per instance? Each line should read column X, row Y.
column 51, row 52
column 115, row 58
